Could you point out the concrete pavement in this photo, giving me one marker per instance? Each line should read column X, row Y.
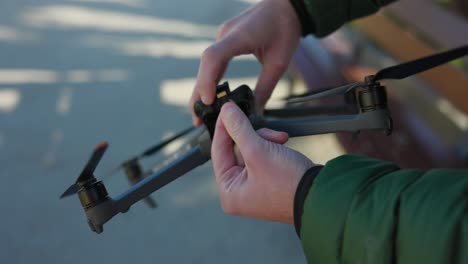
column 75, row 72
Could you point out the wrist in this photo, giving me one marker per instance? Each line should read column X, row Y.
column 288, row 201
column 286, row 14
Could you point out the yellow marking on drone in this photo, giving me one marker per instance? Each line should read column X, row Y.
column 221, row 94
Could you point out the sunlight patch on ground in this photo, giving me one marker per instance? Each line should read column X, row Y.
column 154, row 47
column 249, row 1
column 43, row 76
column 104, row 75
column 129, row 3
column 64, row 16
column 78, row 76
column 50, row 157
column 9, row 99
column 22, row 76
column 170, row 48
column 7, row 33
column 165, row 48
column 178, row 92
column 14, row 35
column 150, row 47
column 64, row 101
column 112, row 75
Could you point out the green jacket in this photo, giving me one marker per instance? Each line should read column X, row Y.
column 327, row 16
column 362, row 210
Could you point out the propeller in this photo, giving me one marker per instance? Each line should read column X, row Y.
column 332, row 92
column 134, row 175
column 396, row 72
column 322, row 89
column 87, row 173
column 161, row 145
column 150, row 151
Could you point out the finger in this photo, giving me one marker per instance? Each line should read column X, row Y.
column 239, row 128
column 222, row 151
column 273, row 136
column 193, row 99
column 271, row 73
column 213, row 64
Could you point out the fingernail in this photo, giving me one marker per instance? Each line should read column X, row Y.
column 230, row 107
column 204, row 99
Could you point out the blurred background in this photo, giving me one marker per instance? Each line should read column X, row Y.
column 76, row 72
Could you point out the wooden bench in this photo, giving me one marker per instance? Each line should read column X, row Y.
column 430, row 111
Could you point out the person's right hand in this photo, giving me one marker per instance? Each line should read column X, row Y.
column 256, row 175
column 270, row 30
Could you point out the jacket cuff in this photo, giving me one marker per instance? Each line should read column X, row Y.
column 329, row 15
column 307, row 24
column 301, row 193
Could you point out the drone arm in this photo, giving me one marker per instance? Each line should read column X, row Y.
column 303, row 111
column 297, row 127
column 182, row 163
column 178, row 167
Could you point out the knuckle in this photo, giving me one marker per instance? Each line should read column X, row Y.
column 209, row 54
column 223, row 29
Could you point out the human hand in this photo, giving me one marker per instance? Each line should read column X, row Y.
column 258, row 176
column 270, row 30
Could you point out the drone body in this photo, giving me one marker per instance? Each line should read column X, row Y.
column 367, row 98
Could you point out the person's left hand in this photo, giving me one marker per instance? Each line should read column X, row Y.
column 258, row 176
column 270, row 30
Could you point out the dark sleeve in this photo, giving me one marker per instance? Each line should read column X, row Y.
column 301, row 193
column 362, row 210
column 322, row 17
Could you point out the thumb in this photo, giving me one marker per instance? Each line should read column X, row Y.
column 239, row 128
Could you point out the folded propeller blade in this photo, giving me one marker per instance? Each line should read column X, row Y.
column 88, row 170
column 334, row 91
column 151, row 151
column 396, row 72
column 420, row 65
column 161, row 145
column 74, row 188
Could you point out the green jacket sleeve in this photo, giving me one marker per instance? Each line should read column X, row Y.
column 361, row 210
column 328, row 15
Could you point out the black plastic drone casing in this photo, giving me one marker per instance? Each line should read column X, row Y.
column 242, row 96
column 372, row 97
column 92, row 193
